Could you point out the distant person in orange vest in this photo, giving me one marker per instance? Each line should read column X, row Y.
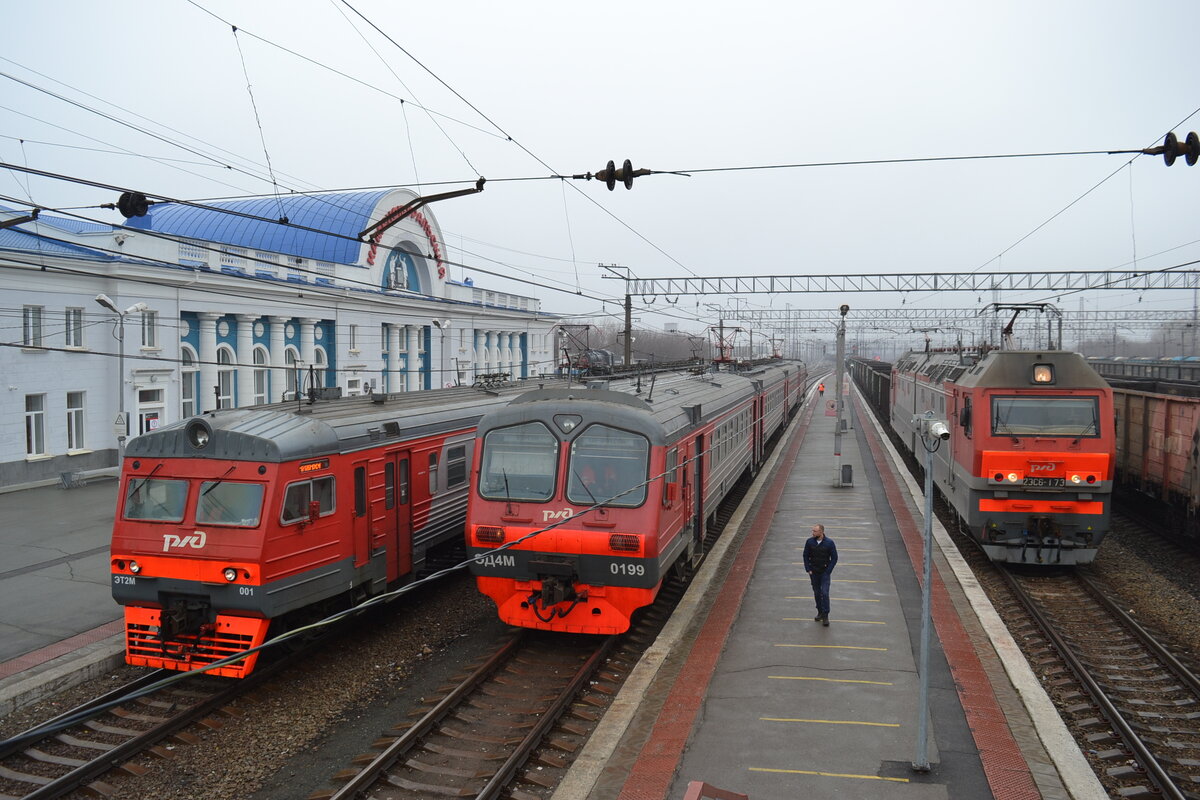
column 821, row 388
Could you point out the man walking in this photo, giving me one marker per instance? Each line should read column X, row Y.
column 820, row 557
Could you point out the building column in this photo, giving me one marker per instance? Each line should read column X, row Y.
column 414, row 358
column 308, row 349
column 489, row 355
column 245, row 359
column 278, row 362
column 395, row 365
column 477, row 354
column 206, row 399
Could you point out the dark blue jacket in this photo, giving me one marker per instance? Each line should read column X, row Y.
column 821, row 557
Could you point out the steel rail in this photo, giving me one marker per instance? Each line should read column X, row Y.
column 1154, row 770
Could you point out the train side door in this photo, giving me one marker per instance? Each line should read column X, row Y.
column 361, row 521
column 399, row 511
column 697, row 479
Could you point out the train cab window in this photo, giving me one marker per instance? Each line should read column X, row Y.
column 299, row 495
column 456, row 466
column 229, row 503
column 1043, row 415
column 608, row 466
column 155, row 499
column 519, row 463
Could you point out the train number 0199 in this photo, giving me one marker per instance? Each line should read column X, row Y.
column 627, row 569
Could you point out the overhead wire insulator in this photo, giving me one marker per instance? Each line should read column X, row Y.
column 1172, row 149
column 611, row 175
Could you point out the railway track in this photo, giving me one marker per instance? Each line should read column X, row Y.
column 1140, row 704
column 55, row 764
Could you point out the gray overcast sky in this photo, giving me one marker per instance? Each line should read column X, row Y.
column 670, row 85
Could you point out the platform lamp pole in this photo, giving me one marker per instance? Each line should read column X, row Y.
column 837, row 398
column 933, row 433
column 122, row 426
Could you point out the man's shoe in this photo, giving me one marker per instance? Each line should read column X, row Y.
column 825, row 621
column 818, row 617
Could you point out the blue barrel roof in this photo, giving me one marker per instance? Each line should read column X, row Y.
column 26, row 236
column 344, row 215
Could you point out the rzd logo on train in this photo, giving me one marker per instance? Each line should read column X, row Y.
column 1042, row 467
column 195, row 540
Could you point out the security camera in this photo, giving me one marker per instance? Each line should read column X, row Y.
column 845, row 309
column 940, row 430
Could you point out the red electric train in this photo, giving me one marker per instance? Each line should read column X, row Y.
column 631, row 473
column 235, row 522
column 1028, row 465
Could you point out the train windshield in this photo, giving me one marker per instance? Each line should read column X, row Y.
column 608, row 466
column 155, row 499
column 224, row 503
column 1043, row 415
column 519, row 463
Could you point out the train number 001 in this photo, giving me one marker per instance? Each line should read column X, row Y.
column 627, row 569
column 246, row 591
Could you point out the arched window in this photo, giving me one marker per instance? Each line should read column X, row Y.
column 290, row 357
column 322, row 367
column 225, row 375
column 188, row 375
column 260, row 375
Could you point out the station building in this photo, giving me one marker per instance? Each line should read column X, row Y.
column 233, row 304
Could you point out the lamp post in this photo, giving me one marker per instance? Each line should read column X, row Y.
column 442, row 325
column 122, row 421
column 933, row 432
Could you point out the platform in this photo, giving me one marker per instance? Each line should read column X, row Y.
column 746, row 692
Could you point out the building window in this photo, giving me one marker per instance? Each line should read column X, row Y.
column 322, row 365
column 260, row 376
column 225, row 373
column 293, row 376
column 74, row 328
column 31, row 326
column 75, row 429
column 353, row 337
column 35, row 424
column 187, row 374
column 150, row 329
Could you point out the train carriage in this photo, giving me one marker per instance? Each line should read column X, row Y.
column 230, row 521
column 631, row 472
column 1028, row 465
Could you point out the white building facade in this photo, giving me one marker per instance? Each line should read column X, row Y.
column 227, row 306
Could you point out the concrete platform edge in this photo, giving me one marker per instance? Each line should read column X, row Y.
column 588, row 765
column 1076, row 773
column 62, row 673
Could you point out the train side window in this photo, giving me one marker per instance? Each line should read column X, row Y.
column 300, row 494
column 964, row 417
column 360, row 491
column 670, row 475
column 433, row 474
column 389, row 485
column 456, row 466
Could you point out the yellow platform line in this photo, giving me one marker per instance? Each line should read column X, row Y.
column 832, row 722
column 828, row 774
column 828, row 680
column 838, row 599
column 834, row 647
column 856, row 621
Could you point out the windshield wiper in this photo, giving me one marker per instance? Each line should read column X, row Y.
column 582, row 483
column 508, row 509
column 148, row 477
column 219, row 481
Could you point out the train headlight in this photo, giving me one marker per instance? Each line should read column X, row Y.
column 198, row 435
column 1013, row 477
column 490, row 534
column 1076, row 479
column 1043, row 373
column 624, row 543
column 230, row 574
column 135, row 567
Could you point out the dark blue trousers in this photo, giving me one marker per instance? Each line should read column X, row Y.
column 820, row 585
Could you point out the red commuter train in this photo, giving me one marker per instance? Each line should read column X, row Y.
column 1028, row 465
column 632, row 472
column 232, row 522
